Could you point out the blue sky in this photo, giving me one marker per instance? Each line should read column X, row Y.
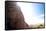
column 39, row 8
column 33, row 13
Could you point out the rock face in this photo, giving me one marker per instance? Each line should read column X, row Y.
column 14, row 17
